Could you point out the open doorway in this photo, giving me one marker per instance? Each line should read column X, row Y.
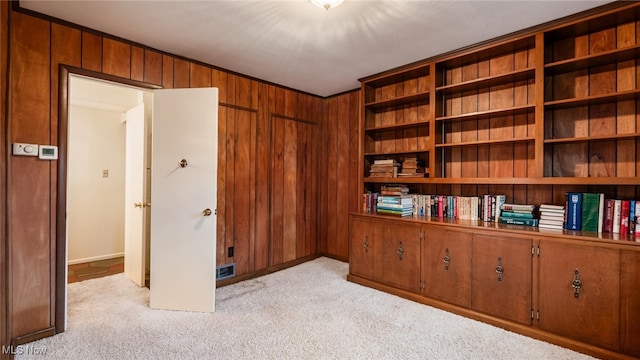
column 101, row 145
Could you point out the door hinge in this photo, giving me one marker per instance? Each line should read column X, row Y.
column 421, row 234
column 532, row 314
column 538, row 250
column 533, row 252
column 215, row 212
column 538, row 315
column 421, row 284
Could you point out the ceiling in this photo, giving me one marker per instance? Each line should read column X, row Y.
column 304, row 47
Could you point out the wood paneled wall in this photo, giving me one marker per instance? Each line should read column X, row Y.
column 339, row 175
column 4, row 41
column 287, row 160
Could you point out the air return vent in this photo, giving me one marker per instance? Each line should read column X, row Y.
column 225, row 271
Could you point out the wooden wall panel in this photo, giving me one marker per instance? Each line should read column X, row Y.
column 167, row 72
column 137, row 63
column 29, row 226
column 116, row 58
column 91, row 52
column 180, row 73
column 4, row 42
column 152, row 67
column 255, row 151
column 262, row 231
column 200, row 76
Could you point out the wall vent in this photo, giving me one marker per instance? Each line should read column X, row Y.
column 225, row 271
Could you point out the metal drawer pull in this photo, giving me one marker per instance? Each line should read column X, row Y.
column 400, row 251
column 576, row 284
column 366, row 243
column 500, row 269
column 446, row 259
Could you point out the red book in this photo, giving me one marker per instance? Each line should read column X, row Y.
column 608, row 216
column 440, row 206
column 624, row 217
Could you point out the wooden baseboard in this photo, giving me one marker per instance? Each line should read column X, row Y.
column 269, row 270
column 530, row 331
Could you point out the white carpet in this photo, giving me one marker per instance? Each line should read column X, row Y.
column 306, row 312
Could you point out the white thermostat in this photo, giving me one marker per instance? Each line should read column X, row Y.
column 48, row 152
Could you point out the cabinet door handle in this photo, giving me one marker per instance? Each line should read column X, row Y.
column 576, row 284
column 400, row 251
column 446, row 259
column 366, row 243
column 500, row 269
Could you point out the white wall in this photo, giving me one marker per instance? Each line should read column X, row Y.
column 95, row 204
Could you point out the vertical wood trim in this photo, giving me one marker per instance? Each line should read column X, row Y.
column 137, row 63
column 167, row 72
column 432, row 120
column 5, row 35
column 538, row 169
column 152, row 67
column 65, row 49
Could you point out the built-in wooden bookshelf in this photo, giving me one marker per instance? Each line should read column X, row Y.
column 533, row 115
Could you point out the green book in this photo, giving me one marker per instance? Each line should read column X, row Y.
column 513, row 214
column 590, row 207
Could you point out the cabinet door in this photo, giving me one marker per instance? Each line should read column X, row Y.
column 446, row 265
column 501, row 277
column 401, row 255
column 361, row 252
column 630, row 302
column 580, row 292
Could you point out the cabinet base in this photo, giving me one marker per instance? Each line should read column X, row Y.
column 531, row 331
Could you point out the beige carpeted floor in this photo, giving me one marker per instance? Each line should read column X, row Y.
column 306, row 312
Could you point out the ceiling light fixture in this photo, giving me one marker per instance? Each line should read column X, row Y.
column 326, row 4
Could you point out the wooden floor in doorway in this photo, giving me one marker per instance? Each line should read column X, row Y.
column 95, row 269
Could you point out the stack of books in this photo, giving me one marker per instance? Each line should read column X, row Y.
column 412, row 167
column 395, row 200
column 551, row 216
column 384, row 168
column 518, row 214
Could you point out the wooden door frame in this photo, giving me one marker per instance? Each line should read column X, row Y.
column 65, row 71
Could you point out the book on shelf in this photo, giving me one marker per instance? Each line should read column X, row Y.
column 607, row 225
column 550, row 226
column 552, row 208
column 624, row 217
column 615, row 220
column 518, row 207
column 402, row 200
column 515, row 221
column 637, row 219
column 555, row 222
column 632, row 217
column 500, row 200
column 514, row 214
column 384, row 162
column 574, row 211
column 590, row 209
column 601, row 205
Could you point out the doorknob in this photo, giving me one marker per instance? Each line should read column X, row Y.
column 207, row 212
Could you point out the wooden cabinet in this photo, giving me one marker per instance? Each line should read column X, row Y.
column 400, row 255
column 532, row 116
column 362, row 240
column 580, row 292
column 630, row 302
column 501, row 277
column 446, row 265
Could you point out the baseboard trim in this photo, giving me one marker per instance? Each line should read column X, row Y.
column 95, row 258
column 40, row 334
column 269, row 270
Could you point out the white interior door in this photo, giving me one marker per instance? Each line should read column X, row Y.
column 183, row 221
column 134, row 240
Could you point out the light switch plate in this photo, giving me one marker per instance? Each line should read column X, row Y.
column 25, row 149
